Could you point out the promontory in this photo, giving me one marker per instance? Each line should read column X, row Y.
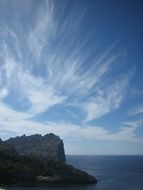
column 38, row 159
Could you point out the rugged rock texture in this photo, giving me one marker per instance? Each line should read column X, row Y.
column 22, row 170
column 7, row 148
column 48, row 147
column 67, row 174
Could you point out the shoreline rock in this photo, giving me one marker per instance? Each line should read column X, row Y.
column 19, row 170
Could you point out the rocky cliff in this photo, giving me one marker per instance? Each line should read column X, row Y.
column 29, row 169
column 48, row 147
column 7, row 148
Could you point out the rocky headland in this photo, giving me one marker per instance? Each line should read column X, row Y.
column 38, row 159
column 48, row 147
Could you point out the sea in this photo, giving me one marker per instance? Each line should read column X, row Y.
column 112, row 173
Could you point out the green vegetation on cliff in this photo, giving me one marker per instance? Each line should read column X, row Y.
column 18, row 169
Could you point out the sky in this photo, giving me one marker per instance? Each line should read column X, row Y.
column 73, row 68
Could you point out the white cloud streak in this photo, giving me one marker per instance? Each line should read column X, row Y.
column 18, row 123
column 107, row 99
column 40, row 36
column 126, row 133
column 137, row 110
column 38, row 93
column 66, row 75
column 7, row 114
column 66, row 79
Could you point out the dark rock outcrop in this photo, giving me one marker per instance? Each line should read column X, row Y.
column 49, row 147
column 23, row 160
column 67, row 174
column 7, row 148
column 22, row 170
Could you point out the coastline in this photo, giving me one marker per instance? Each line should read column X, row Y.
column 33, row 169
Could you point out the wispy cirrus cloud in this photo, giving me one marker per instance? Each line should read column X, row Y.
column 35, row 89
column 3, row 93
column 50, row 66
column 66, row 77
column 17, row 123
column 107, row 99
column 7, row 114
column 125, row 133
column 137, row 110
column 41, row 33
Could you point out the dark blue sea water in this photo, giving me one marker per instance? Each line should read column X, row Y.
column 112, row 172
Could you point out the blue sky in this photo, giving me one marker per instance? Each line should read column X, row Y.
column 73, row 68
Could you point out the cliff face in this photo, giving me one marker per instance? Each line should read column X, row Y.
column 49, row 147
column 42, row 162
column 22, row 170
column 7, row 148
